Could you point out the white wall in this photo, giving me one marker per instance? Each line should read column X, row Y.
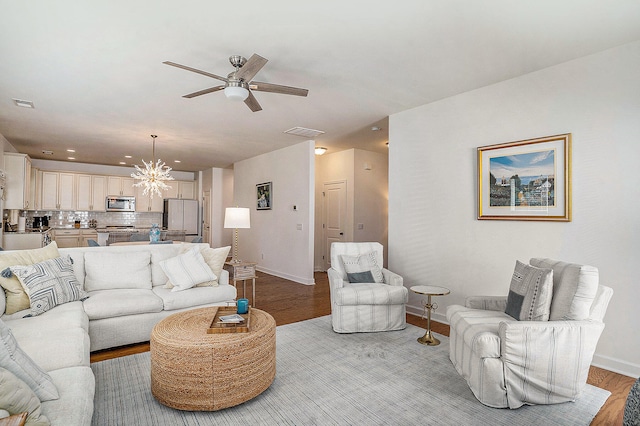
column 274, row 240
column 434, row 236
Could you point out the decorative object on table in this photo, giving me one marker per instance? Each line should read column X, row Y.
column 364, row 307
column 243, row 306
column 429, row 290
column 220, row 325
column 154, row 233
column 526, row 180
column 238, row 85
column 508, row 363
column 264, row 196
column 242, row 271
column 235, row 218
column 154, row 174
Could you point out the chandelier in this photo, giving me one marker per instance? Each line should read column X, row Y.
column 153, row 176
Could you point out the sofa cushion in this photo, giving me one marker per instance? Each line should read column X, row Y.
column 195, row 296
column 117, row 270
column 530, row 293
column 77, row 388
column 187, row 270
column 17, row 299
column 371, row 294
column 69, row 315
column 363, row 268
column 574, row 288
column 14, row 359
column 63, row 348
column 16, row 397
column 115, row 303
column 49, row 283
column 214, row 257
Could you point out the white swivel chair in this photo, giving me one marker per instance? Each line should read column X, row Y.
column 364, row 306
column 509, row 363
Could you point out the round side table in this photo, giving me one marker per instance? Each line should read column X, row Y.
column 429, row 290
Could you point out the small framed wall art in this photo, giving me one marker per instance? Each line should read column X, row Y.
column 264, row 196
column 526, row 180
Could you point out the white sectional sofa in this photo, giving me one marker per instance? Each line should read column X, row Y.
column 125, row 285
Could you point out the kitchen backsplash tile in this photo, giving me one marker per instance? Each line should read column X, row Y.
column 63, row 219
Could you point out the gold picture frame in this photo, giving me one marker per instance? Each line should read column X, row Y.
column 526, row 180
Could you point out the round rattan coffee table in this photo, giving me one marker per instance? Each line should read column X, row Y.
column 195, row 371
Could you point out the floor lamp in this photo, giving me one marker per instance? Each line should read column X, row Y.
column 236, row 217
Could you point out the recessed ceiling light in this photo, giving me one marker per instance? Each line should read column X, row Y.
column 319, row 150
column 22, row 103
column 176, row 161
column 122, row 162
column 127, row 156
column 71, row 158
column 71, row 150
column 303, row 131
column 47, row 152
column 375, row 129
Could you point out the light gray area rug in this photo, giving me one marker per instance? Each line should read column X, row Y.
column 325, row 378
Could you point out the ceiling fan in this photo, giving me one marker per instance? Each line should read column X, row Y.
column 238, row 85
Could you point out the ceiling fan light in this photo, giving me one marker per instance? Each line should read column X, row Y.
column 236, row 93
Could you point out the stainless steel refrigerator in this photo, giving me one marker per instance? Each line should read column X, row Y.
column 181, row 214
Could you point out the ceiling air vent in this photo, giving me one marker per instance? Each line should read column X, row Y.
column 302, row 131
column 23, row 103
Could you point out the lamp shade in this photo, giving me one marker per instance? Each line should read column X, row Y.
column 237, row 217
column 236, row 93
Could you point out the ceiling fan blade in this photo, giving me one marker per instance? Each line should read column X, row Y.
column 252, row 103
column 204, row 92
column 277, row 88
column 184, row 67
column 251, row 67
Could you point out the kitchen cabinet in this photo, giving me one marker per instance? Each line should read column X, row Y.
column 65, row 238
column 118, row 185
column 183, row 189
column 17, row 189
column 144, row 203
column 58, row 191
column 91, row 192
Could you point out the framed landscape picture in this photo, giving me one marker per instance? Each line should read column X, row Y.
column 263, row 193
column 526, row 180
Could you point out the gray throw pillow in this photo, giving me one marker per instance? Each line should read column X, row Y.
column 49, row 283
column 16, row 397
column 530, row 293
column 13, row 358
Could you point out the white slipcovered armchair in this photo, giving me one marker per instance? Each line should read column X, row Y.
column 365, row 306
column 509, row 363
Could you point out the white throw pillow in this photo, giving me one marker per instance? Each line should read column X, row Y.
column 13, row 358
column 363, row 268
column 530, row 293
column 107, row 271
column 187, row 270
column 215, row 258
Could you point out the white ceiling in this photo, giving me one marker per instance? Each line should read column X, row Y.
column 94, row 69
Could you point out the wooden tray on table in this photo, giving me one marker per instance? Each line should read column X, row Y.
column 217, row 326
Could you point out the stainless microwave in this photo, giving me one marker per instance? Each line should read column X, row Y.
column 118, row 203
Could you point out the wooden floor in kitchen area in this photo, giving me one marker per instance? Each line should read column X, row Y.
column 290, row 302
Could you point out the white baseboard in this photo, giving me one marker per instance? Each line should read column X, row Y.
column 289, row 277
column 608, row 363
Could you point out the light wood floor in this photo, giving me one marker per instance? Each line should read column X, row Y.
column 290, row 302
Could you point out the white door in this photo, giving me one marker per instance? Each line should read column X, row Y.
column 206, row 217
column 335, row 216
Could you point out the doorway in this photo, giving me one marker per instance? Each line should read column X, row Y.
column 334, row 196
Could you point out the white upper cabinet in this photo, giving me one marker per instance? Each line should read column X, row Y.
column 119, row 185
column 17, row 189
